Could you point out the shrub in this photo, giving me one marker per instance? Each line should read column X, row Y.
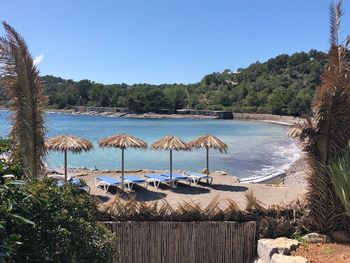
column 66, row 227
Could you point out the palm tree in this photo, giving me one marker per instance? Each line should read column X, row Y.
column 20, row 78
column 329, row 131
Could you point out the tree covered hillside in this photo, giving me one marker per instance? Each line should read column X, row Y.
column 282, row 85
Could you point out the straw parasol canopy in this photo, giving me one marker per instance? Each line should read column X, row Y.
column 65, row 143
column 209, row 141
column 170, row 143
column 122, row 141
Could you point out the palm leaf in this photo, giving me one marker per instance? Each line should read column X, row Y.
column 328, row 132
column 21, row 81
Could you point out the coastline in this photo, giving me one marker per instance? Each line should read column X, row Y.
column 270, row 118
column 295, row 172
column 224, row 187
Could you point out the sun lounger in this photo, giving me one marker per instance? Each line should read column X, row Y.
column 76, row 182
column 197, row 177
column 132, row 179
column 107, row 181
column 179, row 177
column 156, row 179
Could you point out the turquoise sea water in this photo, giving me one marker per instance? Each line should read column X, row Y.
column 254, row 147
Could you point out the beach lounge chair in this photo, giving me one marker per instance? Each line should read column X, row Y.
column 179, row 177
column 197, row 177
column 132, row 179
column 76, row 182
column 156, row 179
column 107, row 181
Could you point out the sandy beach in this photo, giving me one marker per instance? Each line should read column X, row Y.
column 224, row 186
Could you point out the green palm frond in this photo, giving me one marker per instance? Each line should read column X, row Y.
column 340, row 174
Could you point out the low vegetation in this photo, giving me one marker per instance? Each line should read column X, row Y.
column 47, row 223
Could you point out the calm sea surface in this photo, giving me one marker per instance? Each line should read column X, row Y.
column 254, row 147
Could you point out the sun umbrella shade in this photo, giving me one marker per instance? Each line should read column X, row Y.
column 207, row 142
column 70, row 143
column 65, row 143
column 122, row 141
column 171, row 143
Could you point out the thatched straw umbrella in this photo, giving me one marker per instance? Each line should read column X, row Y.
column 122, row 141
column 65, row 143
column 170, row 143
column 209, row 141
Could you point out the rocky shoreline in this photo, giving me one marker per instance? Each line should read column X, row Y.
column 278, row 119
column 296, row 173
column 149, row 115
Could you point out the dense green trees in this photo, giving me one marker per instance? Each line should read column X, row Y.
column 282, row 85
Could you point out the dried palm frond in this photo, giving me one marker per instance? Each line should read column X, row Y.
column 209, row 141
column 62, row 143
column 253, row 203
column 122, row 141
column 170, row 143
column 329, row 132
column 20, row 78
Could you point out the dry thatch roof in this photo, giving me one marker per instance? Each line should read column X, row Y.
column 170, row 143
column 71, row 143
column 122, row 141
column 209, row 141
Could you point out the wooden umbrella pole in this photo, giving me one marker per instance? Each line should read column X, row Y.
column 65, row 166
column 207, row 161
column 171, row 164
column 123, row 168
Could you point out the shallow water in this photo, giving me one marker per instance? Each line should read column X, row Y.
column 254, row 147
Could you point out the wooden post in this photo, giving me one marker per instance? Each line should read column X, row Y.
column 171, row 164
column 207, row 161
column 123, row 168
column 65, row 166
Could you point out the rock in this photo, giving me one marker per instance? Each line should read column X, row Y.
column 340, row 236
column 268, row 247
column 314, row 238
column 278, row 258
column 235, row 179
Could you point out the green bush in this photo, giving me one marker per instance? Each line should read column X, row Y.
column 10, row 221
column 66, row 227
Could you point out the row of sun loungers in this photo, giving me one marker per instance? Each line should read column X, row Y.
column 156, row 179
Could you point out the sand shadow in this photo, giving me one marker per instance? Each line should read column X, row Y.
column 146, row 194
column 141, row 193
column 189, row 189
column 228, row 188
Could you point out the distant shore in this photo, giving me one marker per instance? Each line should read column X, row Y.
column 278, row 119
column 272, row 118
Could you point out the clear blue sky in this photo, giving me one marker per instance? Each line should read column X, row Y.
column 164, row 41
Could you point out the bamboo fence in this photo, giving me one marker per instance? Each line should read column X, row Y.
column 182, row 242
